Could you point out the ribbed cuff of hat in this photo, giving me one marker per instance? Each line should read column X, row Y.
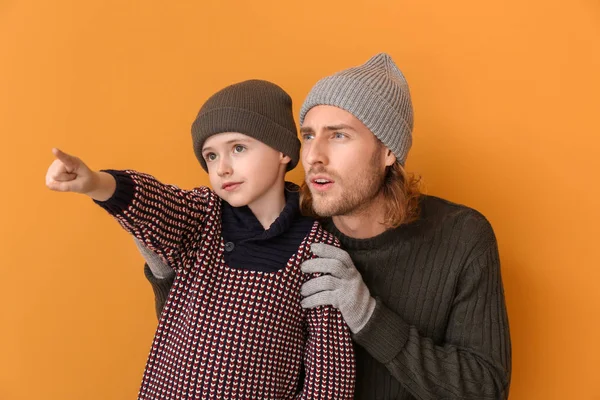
column 249, row 123
column 377, row 94
column 386, row 123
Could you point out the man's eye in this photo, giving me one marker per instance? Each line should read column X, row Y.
column 307, row 136
column 239, row 148
column 339, row 135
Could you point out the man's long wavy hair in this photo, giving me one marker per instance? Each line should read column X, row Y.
column 401, row 192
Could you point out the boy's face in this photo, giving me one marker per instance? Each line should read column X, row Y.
column 242, row 170
column 343, row 161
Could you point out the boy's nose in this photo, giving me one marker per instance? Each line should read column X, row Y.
column 224, row 167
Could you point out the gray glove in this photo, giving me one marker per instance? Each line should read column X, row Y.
column 343, row 288
column 157, row 265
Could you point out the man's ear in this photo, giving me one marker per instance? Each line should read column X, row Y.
column 390, row 157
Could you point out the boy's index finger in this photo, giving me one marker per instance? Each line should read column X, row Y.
column 70, row 162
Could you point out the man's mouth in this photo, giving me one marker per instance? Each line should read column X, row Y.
column 322, row 183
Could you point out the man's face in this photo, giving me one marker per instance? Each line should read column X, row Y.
column 343, row 161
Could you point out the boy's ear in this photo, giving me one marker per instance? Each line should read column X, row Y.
column 284, row 159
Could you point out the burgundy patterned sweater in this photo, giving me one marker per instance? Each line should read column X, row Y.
column 229, row 333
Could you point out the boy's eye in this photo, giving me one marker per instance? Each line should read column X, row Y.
column 238, row 148
column 210, row 157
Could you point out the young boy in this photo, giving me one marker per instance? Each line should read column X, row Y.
column 233, row 326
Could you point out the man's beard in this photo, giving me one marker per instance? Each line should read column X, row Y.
column 356, row 195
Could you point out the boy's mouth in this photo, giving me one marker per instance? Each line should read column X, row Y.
column 230, row 186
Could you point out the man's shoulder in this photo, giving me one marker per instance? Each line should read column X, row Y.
column 439, row 208
column 439, row 213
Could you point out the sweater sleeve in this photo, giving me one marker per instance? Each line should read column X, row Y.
column 163, row 217
column 161, row 288
column 329, row 362
column 475, row 360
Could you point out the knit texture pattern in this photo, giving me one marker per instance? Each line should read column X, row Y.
column 377, row 94
column 440, row 327
column 256, row 108
column 227, row 333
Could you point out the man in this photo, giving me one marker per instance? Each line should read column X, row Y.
column 419, row 282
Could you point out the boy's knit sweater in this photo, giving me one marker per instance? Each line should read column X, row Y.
column 228, row 332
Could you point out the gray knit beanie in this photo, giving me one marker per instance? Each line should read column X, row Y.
column 256, row 108
column 377, row 94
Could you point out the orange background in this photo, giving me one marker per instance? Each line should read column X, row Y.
column 507, row 101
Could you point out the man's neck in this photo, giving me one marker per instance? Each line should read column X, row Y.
column 362, row 224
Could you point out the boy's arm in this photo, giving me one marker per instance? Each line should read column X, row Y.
column 329, row 363
column 161, row 216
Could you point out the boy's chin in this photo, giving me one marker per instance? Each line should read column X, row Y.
column 237, row 203
column 234, row 201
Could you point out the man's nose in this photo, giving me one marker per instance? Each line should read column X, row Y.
column 315, row 151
